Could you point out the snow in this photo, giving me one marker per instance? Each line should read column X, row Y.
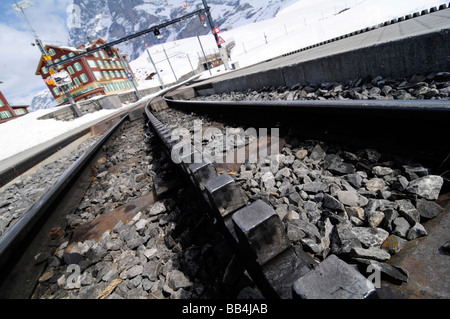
column 28, row 131
column 301, row 24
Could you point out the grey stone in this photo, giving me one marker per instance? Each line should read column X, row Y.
column 332, row 203
column 315, row 187
column 381, row 171
column 393, row 244
column 284, row 172
column 317, row 153
column 401, row 227
column 336, row 165
column 427, row 187
column 157, row 208
column 445, row 248
column 407, row 210
column 151, row 270
column 268, row 180
column 428, row 209
column 176, row 280
column 374, row 218
column 400, row 184
column 351, row 198
column 333, row 279
column 371, row 253
column 110, row 275
column 342, row 239
column 354, row 179
column 389, row 216
column 301, row 154
column 415, row 171
column 309, row 229
column 416, row 231
column 370, row 237
column 375, row 184
column 134, row 271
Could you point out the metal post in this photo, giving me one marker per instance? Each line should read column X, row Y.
column 73, row 105
column 170, row 64
column 204, row 55
column 156, row 69
column 211, row 25
column 129, row 72
column 44, row 52
column 193, row 71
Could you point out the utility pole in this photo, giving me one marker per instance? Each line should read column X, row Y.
column 28, row 4
column 170, row 64
column 223, row 52
column 130, row 76
column 204, row 55
column 156, row 69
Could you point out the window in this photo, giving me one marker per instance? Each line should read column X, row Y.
column 64, row 57
column 92, row 64
column 78, row 66
column 106, row 75
column 123, row 74
column 70, row 70
column 102, row 54
column 108, row 66
column 119, row 66
column 111, row 74
column 1, row 103
column 19, row 112
column 51, row 52
column 117, row 74
column 100, row 64
column 56, row 61
column 98, row 75
column 71, row 55
column 84, row 78
column 44, row 70
column 56, row 91
column 76, row 81
column 96, row 54
column 5, row 114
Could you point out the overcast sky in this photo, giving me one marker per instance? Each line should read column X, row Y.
column 18, row 59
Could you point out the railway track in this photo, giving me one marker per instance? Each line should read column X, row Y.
column 173, row 205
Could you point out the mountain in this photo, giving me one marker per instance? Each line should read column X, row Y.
column 112, row 19
column 42, row 100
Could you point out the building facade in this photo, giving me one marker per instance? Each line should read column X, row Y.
column 92, row 75
column 8, row 112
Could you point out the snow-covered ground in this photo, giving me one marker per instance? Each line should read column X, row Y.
column 300, row 25
column 304, row 23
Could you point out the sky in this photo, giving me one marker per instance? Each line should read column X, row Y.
column 51, row 18
column 283, row 34
column 18, row 59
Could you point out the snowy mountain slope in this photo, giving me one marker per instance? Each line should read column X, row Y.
column 43, row 100
column 114, row 19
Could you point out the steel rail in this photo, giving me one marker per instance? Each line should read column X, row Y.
column 12, row 172
column 18, row 238
column 439, row 110
column 417, row 128
column 274, row 264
